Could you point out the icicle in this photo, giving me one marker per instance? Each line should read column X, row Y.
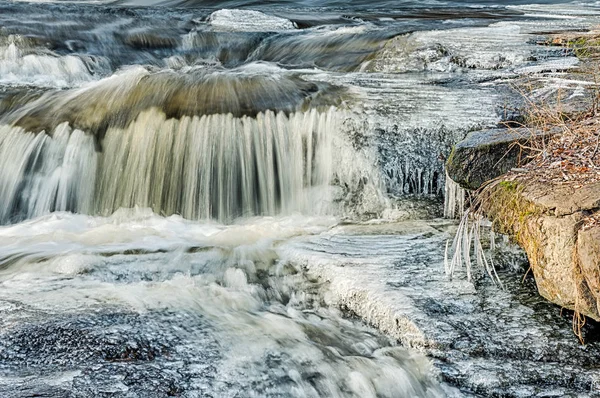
column 466, row 240
column 454, row 199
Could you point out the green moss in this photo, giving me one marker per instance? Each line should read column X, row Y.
column 510, row 186
column 509, row 211
column 584, row 47
column 450, row 160
column 515, row 216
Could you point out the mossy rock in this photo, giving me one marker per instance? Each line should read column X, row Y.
column 487, row 154
column 546, row 220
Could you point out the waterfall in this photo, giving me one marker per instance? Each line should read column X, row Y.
column 40, row 174
column 201, row 167
column 218, row 166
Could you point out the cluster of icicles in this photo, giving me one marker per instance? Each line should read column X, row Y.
column 466, row 248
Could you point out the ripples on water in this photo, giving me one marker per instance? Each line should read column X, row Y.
column 241, row 199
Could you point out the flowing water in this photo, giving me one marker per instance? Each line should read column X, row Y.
column 245, row 199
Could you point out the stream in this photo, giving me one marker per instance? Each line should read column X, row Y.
column 242, row 198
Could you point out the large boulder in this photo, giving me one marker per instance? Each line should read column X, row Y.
column 551, row 222
column 487, row 154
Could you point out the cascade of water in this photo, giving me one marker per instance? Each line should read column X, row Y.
column 213, row 166
column 218, row 166
column 42, row 174
column 21, row 61
column 343, row 49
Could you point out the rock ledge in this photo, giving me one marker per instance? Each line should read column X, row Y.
column 550, row 222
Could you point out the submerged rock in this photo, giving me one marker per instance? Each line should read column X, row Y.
column 102, row 353
column 117, row 101
column 150, row 40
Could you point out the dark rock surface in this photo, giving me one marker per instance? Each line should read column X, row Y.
column 487, row 154
column 105, row 354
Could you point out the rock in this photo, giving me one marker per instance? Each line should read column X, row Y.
column 551, row 253
column 118, row 101
column 485, row 155
column 563, row 200
column 588, row 250
column 149, row 40
column 546, row 220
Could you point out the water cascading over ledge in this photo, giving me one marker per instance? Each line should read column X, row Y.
column 218, row 166
column 202, row 143
column 40, row 174
column 201, row 167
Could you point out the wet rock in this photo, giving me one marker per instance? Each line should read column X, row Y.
column 72, row 341
column 118, row 101
column 485, row 155
column 104, row 354
column 148, row 40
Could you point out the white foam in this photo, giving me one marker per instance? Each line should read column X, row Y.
column 223, row 286
column 139, row 228
column 21, row 65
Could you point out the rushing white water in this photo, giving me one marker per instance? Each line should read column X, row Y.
column 215, row 166
column 23, row 64
column 225, row 282
column 43, row 174
column 220, row 201
column 263, row 307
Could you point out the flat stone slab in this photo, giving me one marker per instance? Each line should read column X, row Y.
column 486, row 154
column 490, row 137
column 563, row 200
